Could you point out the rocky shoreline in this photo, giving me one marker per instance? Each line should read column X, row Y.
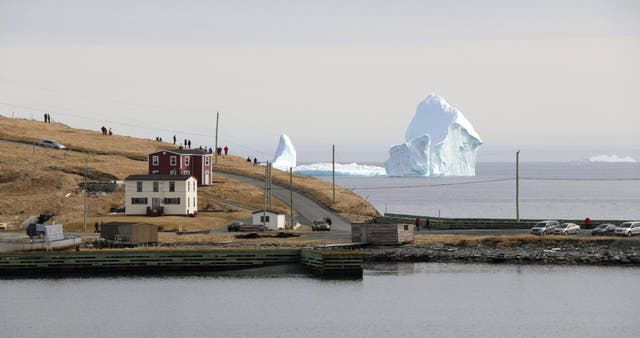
column 614, row 253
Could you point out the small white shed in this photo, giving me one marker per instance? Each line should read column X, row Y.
column 272, row 219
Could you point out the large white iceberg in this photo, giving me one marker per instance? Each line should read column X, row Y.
column 285, row 156
column 439, row 141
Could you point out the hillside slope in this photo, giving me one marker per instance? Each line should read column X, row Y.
column 36, row 180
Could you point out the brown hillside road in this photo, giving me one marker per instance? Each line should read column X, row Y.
column 308, row 209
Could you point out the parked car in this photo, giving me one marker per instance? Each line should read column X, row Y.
column 234, row 226
column 544, row 227
column 36, row 230
column 320, row 225
column 50, row 144
column 628, row 229
column 567, row 228
column 604, row 229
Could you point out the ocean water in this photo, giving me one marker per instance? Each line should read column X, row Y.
column 571, row 190
column 392, row 300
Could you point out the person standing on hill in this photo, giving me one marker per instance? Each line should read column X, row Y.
column 226, row 150
column 418, row 224
column 174, row 139
column 110, row 132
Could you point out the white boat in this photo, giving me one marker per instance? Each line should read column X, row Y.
column 60, row 244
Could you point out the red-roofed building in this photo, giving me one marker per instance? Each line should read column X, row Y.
column 196, row 163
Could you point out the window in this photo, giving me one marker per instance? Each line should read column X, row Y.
column 186, row 160
column 264, row 219
column 172, row 160
column 186, row 172
column 406, row 227
column 206, row 160
column 155, row 172
column 172, row 200
column 156, row 187
column 156, row 160
column 172, row 187
column 188, row 202
column 139, row 186
column 172, row 172
column 138, row 200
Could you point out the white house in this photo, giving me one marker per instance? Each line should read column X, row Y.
column 273, row 220
column 161, row 195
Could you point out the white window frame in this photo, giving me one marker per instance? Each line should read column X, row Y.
column 173, row 160
column 187, row 159
column 207, row 160
column 155, row 160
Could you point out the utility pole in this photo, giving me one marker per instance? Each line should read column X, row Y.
column 86, row 170
column 518, row 186
column 291, row 196
column 266, row 187
column 215, row 150
column 270, row 167
column 333, row 156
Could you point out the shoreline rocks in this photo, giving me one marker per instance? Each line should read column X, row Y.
column 571, row 254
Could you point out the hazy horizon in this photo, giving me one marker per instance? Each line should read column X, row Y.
column 343, row 73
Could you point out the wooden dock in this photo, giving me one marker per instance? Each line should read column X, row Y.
column 101, row 262
column 332, row 262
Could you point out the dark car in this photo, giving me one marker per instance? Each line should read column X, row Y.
column 234, row 226
column 50, row 144
column 36, row 230
column 320, row 225
column 604, row 229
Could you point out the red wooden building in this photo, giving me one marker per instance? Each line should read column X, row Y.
column 196, row 163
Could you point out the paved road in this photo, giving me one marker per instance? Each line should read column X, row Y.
column 306, row 208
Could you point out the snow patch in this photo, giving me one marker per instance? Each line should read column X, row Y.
column 439, row 141
column 612, row 159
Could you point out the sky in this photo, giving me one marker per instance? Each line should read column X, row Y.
column 558, row 80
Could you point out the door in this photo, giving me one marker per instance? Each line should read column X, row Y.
column 155, row 203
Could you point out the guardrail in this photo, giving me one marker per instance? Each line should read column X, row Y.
column 431, row 222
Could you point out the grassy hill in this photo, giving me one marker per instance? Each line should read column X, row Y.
column 35, row 180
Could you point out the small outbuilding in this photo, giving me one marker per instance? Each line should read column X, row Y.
column 126, row 232
column 383, row 234
column 271, row 219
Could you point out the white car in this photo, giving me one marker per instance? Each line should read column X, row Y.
column 544, row 227
column 628, row 229
column 50, row 144
column 567, row 228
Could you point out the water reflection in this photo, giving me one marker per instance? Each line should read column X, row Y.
column 403, row 300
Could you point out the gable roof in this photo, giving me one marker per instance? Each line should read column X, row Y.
column 157, row 177
column 194, row 152
column 269, row 211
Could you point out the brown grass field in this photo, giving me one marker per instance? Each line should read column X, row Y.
column 35, row 180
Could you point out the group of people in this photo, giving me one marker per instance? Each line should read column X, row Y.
column 255, row 160
column 47, row 118
column 105, row 131
column 417, row 224
column 220, row 149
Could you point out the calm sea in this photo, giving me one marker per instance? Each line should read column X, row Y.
column 574, row 190
column 392, row 300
